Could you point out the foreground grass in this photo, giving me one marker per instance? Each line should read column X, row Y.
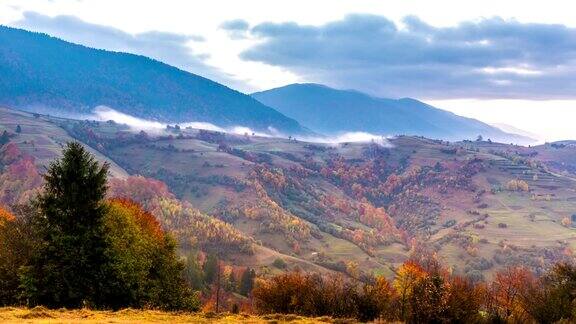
column 44, row 315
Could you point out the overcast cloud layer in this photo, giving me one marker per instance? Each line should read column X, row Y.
column 488, row 58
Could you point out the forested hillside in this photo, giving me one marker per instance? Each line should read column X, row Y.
column 45, row 74
column 349, row 207
column 332, row 111
column 258, row 222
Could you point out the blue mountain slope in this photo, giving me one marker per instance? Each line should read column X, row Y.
column 41, row 72
column 332, row 111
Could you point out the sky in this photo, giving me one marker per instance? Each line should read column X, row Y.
column 502, row 62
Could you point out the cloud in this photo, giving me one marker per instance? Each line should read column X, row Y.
column 171, row 48
column 487, row 58
column 236, row 24
column 236, row 29
column 104, row 113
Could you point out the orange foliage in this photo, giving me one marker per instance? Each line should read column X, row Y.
column 145, row 220
column 506, row 290
column 407, row 276
column 145, row 191
column 191, row 227
column 20, row 181
column 5, row 216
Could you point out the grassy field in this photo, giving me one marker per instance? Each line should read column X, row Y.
column 43, row 139
column 43, row 315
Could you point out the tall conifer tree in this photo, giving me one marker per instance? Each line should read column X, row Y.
column 69, row 268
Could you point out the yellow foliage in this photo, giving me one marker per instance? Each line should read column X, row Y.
column 518, row 185
column 407, row 276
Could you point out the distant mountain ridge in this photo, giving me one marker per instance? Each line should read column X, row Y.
column 43, row 73
column 332, row 111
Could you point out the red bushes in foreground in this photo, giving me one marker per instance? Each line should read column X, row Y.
column 424, row 294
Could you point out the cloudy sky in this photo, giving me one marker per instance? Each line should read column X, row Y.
column 496, row 61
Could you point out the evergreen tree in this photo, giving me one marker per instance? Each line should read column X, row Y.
column 5, row 138
column 211, row 269
column 247, row 281
column 67, row 270
column 193, row 272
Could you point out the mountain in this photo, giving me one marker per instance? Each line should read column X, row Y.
column 332, row 111
column 515, row 130
column 45, row 74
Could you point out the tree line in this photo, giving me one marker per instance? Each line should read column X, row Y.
column 425, row 292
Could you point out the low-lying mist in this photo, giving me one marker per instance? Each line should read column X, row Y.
column 104, row 113
column 350, row 137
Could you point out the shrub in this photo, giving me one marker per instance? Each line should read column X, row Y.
column 518, row 185
column 17, row 241
column 279, row 263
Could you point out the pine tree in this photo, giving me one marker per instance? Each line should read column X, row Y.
column 247, row 281
column 4, row 138
column 68, row 270
column 211, row 269
column 193, row 272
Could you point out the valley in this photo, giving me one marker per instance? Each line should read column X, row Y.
column 354, row 208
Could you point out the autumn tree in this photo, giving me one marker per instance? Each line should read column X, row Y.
column 377, row 300
column 464, row 300
column 506, row 291
column 552, row 297
column 17, row 241
column 518, row 185
column 408, row 277
column 143, row 265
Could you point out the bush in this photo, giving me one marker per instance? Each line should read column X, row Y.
column 18, row 240
column 143, row 260
column 279, row 263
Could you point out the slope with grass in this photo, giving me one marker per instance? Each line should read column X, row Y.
column 357, row 208
column 41, row 138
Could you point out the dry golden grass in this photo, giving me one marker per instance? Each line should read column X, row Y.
column 44, row 315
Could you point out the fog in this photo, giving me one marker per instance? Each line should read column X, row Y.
column 351, row 137
column 104, row 113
